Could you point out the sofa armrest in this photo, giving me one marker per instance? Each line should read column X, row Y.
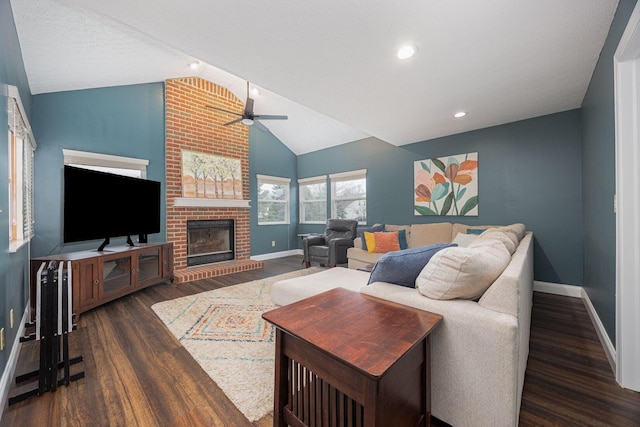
column 338, row 250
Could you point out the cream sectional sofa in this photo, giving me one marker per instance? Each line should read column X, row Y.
column 479, row 352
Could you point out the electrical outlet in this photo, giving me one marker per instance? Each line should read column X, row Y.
column 273, row 243
column 2, row 339
column 11, row 318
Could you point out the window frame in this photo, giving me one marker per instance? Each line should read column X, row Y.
column 274, row 180
column 312, row 181
column 21, row 147
column 343, row 177
column 119, row 165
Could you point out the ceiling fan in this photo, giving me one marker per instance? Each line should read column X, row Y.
column 248, row 117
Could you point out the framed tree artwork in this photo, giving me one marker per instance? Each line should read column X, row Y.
column 446, row 186
column 210, row 177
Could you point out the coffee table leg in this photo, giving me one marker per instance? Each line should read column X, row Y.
column 427, row 368
column 281, row 381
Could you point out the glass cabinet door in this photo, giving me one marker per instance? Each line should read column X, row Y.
column 149, row 266
column 116, row 274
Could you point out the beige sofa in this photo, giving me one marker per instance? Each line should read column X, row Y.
column 479, row 351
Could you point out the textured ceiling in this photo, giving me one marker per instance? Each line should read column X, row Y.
column 331, row 66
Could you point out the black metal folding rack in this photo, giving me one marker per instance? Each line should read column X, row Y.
column 54, row 321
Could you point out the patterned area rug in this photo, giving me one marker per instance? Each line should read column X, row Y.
column 224, row 332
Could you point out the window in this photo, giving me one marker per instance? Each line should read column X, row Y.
column 21, row 155
column 313, row 200
column 273, row 200
column 127, row 166
column 349, row 195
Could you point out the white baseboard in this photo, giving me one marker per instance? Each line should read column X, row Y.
column 609, row 349
column 558, row 289
column 275, row 255
column 579, row 292
column 10, row 369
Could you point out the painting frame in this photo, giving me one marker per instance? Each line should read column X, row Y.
column 210, row 176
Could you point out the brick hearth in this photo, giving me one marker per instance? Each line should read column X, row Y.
column 190, row 125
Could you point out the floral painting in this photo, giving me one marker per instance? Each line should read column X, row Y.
column 446, row 186
column 210, row 177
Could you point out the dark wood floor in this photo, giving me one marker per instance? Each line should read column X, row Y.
column 137, row 374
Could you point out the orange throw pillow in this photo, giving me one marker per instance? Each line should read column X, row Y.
column 386, row 241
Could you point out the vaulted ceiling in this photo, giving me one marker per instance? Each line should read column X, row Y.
column 332, row 66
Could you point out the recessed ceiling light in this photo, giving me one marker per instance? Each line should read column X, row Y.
column 459, row 114
column 255, row 92
column 407, row 51
column 194, row 65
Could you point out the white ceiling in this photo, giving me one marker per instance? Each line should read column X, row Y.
column 331, row 66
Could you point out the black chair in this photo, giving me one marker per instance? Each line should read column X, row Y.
column 331, row 248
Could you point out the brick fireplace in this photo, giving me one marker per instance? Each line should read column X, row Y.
column 190, row 125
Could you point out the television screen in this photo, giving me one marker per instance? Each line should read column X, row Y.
column 100, row 205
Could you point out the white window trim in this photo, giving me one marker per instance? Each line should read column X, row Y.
column 74, row 157
column 269, row 179
column 308, row 181
column 345, row 176
column 14, row 93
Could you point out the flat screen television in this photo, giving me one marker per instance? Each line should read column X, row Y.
column 100, row 205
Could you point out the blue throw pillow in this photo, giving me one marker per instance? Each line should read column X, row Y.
column 372, row 229
column 475, row 230
column 403, row 267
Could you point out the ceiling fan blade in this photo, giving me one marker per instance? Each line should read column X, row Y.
column 222, row 109
column 234, row 121
column 269, row 117
column 248, row 108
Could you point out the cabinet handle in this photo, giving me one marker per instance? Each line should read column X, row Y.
column 96, row 281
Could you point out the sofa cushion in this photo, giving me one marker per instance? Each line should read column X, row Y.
column 430, row 234
column 402, row 267
column 464, row 273
column 361, row 230
column 386, row 241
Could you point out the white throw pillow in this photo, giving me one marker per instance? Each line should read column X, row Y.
column 464, row 273
column 492, row 235
column 463, row 240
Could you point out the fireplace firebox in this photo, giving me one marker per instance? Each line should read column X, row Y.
column 210, row 241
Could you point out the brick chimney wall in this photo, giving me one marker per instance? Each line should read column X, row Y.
column 190, row 125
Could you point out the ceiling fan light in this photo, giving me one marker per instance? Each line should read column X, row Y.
column 459, row 114
column 194, row 65
column 247, row 122
column 406, row 52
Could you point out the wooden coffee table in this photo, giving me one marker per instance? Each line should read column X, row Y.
column 348, row 359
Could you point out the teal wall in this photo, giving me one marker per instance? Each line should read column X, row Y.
column 269, row 156
column 529, row 172
column 14, row 285
column 598, row 179
column 123, row 121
